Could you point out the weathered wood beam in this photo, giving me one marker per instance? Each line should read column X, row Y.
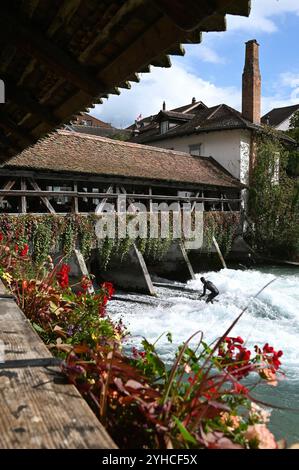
column 177, row 50
column 160, row 36
column 239, row 7
column 189, row 14
column 8, row 185
column 101, row 204
column 76, row 201
column 28, row 38
column 159, row 197
column 112, row 26
column 9, row 125
column 213, row 23
column 144, row 69
column 25, row 100
column 23, row 198
column 134, row 78
column 44, row 199
column 126, row 85
column 161, row 61
column 83, row 268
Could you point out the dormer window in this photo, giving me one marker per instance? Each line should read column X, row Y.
column 195, row 150
column 164, row 126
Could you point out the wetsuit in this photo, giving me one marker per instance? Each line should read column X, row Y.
column 208, row 285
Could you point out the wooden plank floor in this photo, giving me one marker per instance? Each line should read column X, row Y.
column 37, row 408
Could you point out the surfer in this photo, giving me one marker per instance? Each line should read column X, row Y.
column 208, row 285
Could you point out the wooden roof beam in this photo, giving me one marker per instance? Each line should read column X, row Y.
column 189, row 14
column 143, row 51
column 177, row 50
column 24, row 99
column 240, row 8
column 126, row 85
column 161, row 61
column 214, row 23
column 9, row 125
column 134, row 78
column 30, row 39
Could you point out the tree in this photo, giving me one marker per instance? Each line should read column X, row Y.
column 293, row 164
column 273, row 203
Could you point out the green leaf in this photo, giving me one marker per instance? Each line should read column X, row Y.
column 38, row 328
column 185, row 433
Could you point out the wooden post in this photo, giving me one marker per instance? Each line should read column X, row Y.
column 222, row 205
column 101, row 204
column 76, row 205
column 83, row 267
column 7, row 187
column 23, row 198
column 43, row 198
column 219, row 252
column 150, row 191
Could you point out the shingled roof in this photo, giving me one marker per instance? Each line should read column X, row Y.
column 58, row 58
column 216, row 118
column 203, row 120
column 278, row 115
column 72, row 152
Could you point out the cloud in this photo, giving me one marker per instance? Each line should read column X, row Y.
column 287, row 92
column 206, row 54
column 176, row 86
column 264, row 14
column 290, row 79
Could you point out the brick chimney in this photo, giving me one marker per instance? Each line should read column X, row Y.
column 251, row 84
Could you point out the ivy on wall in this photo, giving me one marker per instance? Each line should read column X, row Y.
column 273, row 202
column 50, row 233
column 223, row 226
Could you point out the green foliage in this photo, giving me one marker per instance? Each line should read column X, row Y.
column 223, row 226
column 293, row 163
column 272, row 204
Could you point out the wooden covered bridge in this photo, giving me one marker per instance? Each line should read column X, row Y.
column 58, row 58
column 71, row 172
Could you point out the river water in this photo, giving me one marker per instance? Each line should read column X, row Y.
column 272, row 317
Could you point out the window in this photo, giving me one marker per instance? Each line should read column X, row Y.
column 195, row 150
column 164, row 126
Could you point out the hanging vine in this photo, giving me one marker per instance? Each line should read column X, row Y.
column 52, row 233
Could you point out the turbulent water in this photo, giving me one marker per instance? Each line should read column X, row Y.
column 272, row 317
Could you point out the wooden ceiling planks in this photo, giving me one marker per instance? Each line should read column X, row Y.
column 57, row 58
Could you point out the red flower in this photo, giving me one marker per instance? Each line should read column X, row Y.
column 108, row 286
column 1, row 237
column 86, row 283
column 25, row 250
column 212, row 391
column 240, row 389
column 16, row 248
column 63, row 276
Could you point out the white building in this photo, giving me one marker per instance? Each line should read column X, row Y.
column 280, row 118
column 220, row 132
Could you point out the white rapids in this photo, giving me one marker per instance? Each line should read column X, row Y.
column 272, row 317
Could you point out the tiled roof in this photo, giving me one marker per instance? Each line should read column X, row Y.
column 175, row 115
column 66, row 151
column 206, row 119
column 182, row 110
column 216, row 118
column 278, row 115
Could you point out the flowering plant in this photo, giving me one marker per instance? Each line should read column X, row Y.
column 199, row 402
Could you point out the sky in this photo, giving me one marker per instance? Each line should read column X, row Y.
column 212, row 71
